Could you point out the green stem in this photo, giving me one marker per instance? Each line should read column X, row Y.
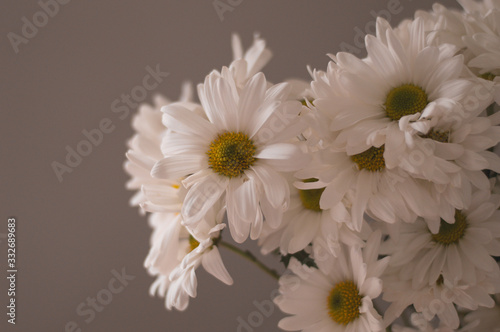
column 249, row 256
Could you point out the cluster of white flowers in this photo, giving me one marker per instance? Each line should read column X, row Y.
column 376, row 182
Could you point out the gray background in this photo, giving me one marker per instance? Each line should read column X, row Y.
column 71, row 235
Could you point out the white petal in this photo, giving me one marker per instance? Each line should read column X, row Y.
column 283, row 157
column 274, row 185
column 182, row 120
column 202, row 196
column 177, row 166
column 372, row 287
column 212, row 263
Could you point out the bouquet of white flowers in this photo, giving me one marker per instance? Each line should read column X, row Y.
column 376, row 182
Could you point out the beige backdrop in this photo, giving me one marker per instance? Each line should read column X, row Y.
column 64, row 78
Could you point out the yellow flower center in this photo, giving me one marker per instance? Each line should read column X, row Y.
column 451, row 233
column 310, row 198
column 440, row 136
column 344, row 302
column 405, row 100
column 371, row 159
column 231, row 153
column 304, row 102
column 488, row 76
column 193, row 244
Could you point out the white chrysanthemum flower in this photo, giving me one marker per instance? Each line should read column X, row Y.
column 305, row 222
column 450, row 150
column 144, row 146
column 239, row 150
column 443, row 26
column 340, row 300
column 164, row 254
column 483, row 7
column 380, row 105
column 482, row 39
column 438, row 299
column 487, row 319
column 457, row 252
column 422, row 325
column 362, row 181
column 247, row 64
column 176, row 253
column 368, row 99
column 369, row 186
column 201, row 249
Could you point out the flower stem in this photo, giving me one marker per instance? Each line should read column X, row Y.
column 249, row 256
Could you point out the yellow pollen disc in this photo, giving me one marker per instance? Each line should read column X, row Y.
column 451, row 233
column 175, row 186
column 310, row 198
column 371, row 159
column 231, row 153
column 440, row 136
column 344, row 302
column 303, row 102
column 404, row 100
column 193, row 244
column 488, row 76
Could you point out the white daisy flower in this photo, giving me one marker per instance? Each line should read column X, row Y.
column 482, row 7
column 239, row 150
column 200, row 248
column 422, row 325
column 451, row 152
column 438, row 299
column 340, row 300
column 247, row 64
column 144, row 146
column 164, row 254
column 457, row 252
column 487, row 319
column 367, row 99
column 305, row 222
column 482, row 39
column 443, row 26
column 364, row 180
column 386, row 102
column 176, row 252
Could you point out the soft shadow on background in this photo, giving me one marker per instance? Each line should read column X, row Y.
column 72, row 234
